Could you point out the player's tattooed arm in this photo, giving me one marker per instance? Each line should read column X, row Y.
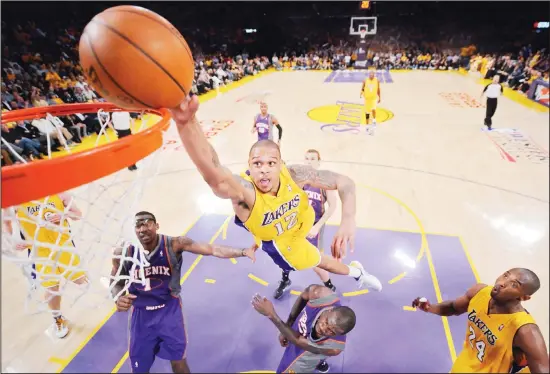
column 530, row 341
column 247, row 185
column 328, row 180
column 183, row 243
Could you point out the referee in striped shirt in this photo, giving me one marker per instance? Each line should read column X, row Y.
column 493, row 91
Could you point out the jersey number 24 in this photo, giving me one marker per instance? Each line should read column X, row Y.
column 479, row 345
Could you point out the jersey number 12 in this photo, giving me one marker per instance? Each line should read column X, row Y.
column 291, row 219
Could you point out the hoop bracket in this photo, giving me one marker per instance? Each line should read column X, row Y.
column 37, row 179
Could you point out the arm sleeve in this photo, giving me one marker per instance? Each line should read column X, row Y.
column 280, row 131
column 485, row 89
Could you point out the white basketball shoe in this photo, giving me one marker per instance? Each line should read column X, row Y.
column 366, row 280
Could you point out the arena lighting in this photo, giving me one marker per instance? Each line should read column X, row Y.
column 541, row 25
column 365, row 4
column 250, row 31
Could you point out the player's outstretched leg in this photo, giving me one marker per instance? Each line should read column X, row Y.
column 354, row 270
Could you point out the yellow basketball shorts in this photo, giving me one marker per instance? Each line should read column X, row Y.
column 296, row 253
column 370, row 104
column 64, row 262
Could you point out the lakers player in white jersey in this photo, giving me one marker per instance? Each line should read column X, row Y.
column 51, row 262
column 501, row 336
column 271, row 204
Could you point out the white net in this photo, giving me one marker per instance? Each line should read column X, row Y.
column 64, row 243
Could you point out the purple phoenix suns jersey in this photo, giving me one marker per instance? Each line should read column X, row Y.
column 297, row 360
column 317, row 198
column 264, row 125
column 162, row 275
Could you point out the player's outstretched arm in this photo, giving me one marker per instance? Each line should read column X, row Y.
column 328, row 180
column 531, row 342
column 205, row 158
column 452, row 307
column 183, row 243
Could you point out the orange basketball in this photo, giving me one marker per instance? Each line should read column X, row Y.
column 136, row 59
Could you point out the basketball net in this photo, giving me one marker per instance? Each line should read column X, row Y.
column 83, row 246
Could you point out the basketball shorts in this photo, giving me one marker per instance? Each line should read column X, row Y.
column 370, row 104
column 63, row 266
column 296, row 253
column 159, row 332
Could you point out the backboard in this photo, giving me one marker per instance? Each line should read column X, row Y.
column 358, row 24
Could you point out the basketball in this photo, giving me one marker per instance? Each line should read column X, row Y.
column 136, row 59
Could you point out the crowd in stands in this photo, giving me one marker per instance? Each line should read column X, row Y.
column 516, row 71
column 40, row 68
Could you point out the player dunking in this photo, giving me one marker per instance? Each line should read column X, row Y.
column 156, row 324
column 51, row 264
column 271, row 204
column 370, row 91
column 501, row 336
column 263, row 125
column 316, row 329
column 317, row 199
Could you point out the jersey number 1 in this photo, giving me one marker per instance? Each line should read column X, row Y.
column 479, row 345
column 291, row 219
column 147, row 285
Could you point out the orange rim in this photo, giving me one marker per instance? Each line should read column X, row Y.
column 37, row 179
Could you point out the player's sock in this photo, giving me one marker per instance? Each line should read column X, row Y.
column 56, row 314
column 330, row 285
column 286, row 273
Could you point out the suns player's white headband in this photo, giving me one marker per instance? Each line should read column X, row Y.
column 144, row 218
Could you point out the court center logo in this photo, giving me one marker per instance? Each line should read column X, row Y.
column 346, row 117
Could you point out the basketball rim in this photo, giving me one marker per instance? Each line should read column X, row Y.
column 34, row 180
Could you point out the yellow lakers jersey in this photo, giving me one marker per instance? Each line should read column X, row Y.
column 489, row 338
column 28, row 218
column 371, row 88
column 280, row 217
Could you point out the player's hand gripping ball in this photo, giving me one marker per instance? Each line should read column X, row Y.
column 185, row 111
column 421, row 303
column 136, row 59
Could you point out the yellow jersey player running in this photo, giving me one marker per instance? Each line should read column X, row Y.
column 501, row 336
column 370, row 91
column 51, row 261
column 271, row 203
